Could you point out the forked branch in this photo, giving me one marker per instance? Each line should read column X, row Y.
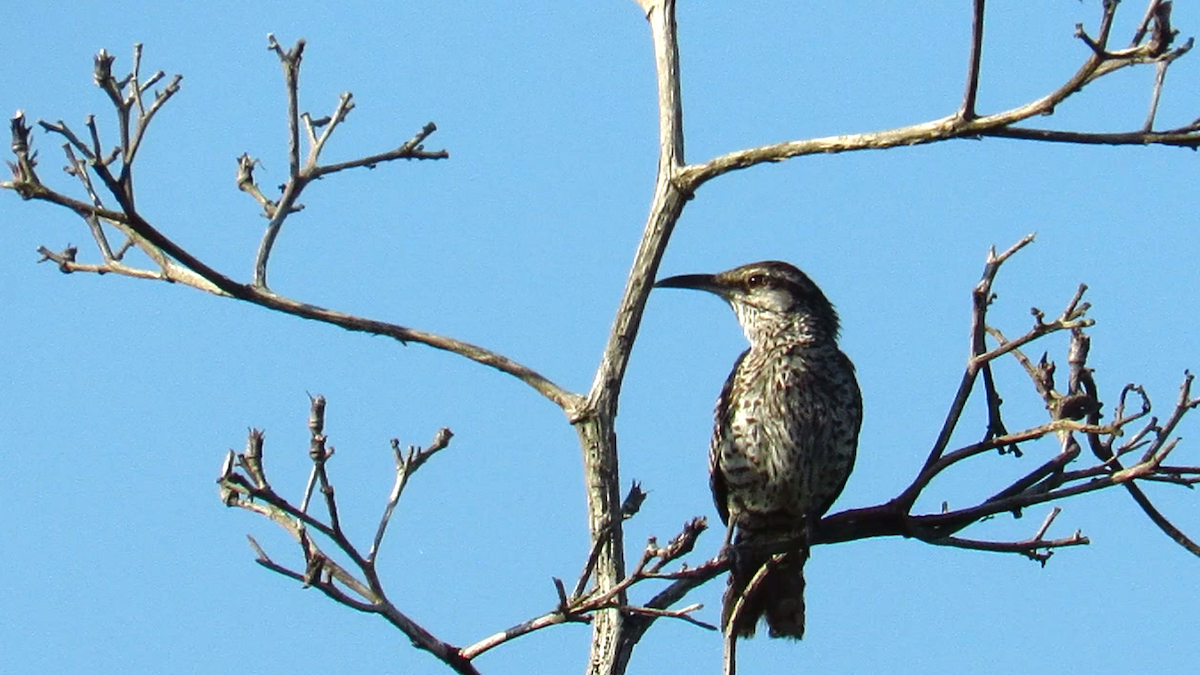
column 174, row 263
column 243, row 483
column 967, row 123
column 300, row 174
column 581, row 608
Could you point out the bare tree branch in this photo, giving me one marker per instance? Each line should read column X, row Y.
column 243, row 483
column 299, row 176
column 406, row 465
column 595, row 427
column 964, row 123
column 967, row 111
column 586, row 608
column 1036, row 548
column 178, row 265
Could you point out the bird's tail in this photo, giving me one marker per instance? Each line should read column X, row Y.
column 779, row 596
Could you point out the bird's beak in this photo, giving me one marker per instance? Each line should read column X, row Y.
column 699, row 282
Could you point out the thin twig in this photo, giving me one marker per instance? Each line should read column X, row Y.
column 1160, row 75
column 1036, row 548
column 966, row 112
column 981, row 298
column 405, row 467
column 1140, row 33
column 290, row 61
column 739, row 606
column 683, row 614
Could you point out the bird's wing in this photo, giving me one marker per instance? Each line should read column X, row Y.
column 854, row 423
column 722, row 419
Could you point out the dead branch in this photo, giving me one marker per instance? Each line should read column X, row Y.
column 966, row 123
column 243, row 484
column 174, row 263
column 1036, row 548
column 584, row 607
column 300, row 175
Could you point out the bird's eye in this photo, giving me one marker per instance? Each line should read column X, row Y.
column 756, row 280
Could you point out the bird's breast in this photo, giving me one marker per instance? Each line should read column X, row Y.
column 779, row 448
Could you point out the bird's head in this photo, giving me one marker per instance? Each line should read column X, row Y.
column 768, row 297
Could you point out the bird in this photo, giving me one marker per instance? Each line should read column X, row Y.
column 785, row 437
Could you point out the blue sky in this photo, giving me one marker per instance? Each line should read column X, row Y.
column 123, row 395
